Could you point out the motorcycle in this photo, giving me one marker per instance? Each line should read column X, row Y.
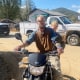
column 39, row 66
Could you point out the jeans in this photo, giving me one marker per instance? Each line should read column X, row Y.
column 55, row 62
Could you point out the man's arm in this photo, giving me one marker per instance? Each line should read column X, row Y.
column 27, row 42
column 56, row 39
column 60, row 41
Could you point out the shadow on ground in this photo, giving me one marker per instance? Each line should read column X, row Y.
column 9, row 66
column 66, row 77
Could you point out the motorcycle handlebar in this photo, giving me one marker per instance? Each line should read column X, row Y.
column 22, row 51
column 50, row 53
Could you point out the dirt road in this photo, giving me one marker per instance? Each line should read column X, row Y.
column 70, row 60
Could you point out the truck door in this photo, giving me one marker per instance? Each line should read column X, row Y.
column 61, row 29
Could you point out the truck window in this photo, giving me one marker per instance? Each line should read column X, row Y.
column 65, row 20
column 53, row 19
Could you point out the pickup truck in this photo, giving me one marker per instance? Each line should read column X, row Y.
column 68, row 30
column 4, row 29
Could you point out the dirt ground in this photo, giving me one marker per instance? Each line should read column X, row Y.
column 70, row 59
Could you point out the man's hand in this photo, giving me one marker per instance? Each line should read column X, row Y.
column 59, row 48
column 18, row 48
column 60, row 51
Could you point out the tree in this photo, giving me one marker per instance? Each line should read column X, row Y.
column 10, row 9
column 29, row 7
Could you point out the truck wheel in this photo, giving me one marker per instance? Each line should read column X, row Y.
column 29, row 32
column 73, row 39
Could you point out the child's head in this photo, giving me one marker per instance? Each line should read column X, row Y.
column 54, row 25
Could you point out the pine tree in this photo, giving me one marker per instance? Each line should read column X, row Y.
column 10, row 9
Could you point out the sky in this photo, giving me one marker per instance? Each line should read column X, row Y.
column 53, row 4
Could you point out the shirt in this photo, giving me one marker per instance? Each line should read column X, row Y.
column 43, row 43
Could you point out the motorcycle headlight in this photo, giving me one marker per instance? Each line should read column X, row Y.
column 36, row 71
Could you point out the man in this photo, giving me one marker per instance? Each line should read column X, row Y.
column 45, row 41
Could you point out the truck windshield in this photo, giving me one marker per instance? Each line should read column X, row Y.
column 65, row 20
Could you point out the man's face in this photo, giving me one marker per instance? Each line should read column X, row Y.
column 41, row 22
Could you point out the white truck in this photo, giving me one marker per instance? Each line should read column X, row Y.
column 68, row 30
column 27, row 27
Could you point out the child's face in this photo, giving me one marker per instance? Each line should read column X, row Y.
column 54, row 26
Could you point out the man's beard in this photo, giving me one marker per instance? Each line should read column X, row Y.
column 42, row 30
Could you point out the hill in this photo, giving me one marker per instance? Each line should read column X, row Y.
column 69, row 13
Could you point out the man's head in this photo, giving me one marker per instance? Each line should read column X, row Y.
column 54, row 25
column 40, row 21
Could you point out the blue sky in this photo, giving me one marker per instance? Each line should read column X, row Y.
column 53, row 4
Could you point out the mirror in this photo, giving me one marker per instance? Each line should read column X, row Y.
column 18, row 36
